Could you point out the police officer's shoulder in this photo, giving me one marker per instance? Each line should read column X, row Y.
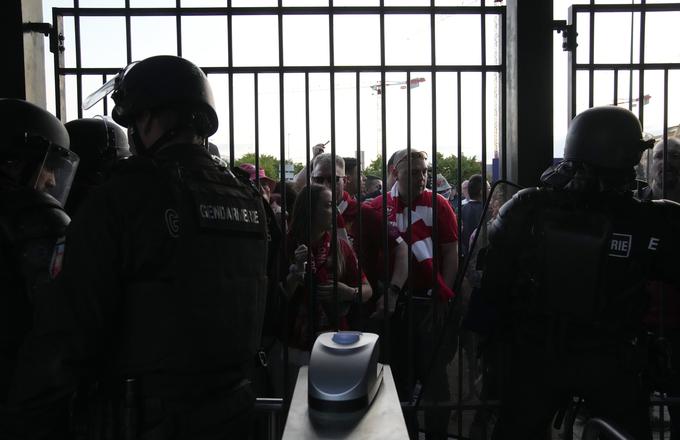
column 132, row 165
column 33, row 214
column 525, row 199
column 514, row 214
column 664, row 207
column 244, row 178
column 28, row 198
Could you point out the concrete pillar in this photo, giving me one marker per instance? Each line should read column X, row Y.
column 529, row 120
column 34, row 54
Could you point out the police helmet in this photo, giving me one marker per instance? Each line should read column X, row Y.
column 35, row 152
column 99, row 142
column 606, row 137
column 165, row 81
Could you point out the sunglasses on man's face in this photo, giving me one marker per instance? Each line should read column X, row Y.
column 326, row 179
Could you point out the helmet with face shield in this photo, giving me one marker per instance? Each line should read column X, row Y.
column 34, row 152
column 162, row 82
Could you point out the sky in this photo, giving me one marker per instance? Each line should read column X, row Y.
column 356, row 41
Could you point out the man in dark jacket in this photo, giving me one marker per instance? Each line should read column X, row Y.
column 565, row 276
column 165, row 270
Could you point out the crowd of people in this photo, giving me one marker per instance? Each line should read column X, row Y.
column 167, row 290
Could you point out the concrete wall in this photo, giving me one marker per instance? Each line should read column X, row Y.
column 34, row 54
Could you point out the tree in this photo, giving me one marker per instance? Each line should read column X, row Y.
column 297, row 166
column 448, row 167
column 374, row 168
column 269, row 163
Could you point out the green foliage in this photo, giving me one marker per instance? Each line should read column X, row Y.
column 448, row 166
column 269, row 163
column 374, row 168
column 297, row 166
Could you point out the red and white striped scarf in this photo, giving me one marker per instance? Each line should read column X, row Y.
column 421, row 234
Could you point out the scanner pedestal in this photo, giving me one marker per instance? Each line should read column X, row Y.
column 383, row 419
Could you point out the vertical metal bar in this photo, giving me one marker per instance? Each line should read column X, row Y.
column 504, row 160
column 386, row 189
column 572, row 59
column 435, row 224
column 105, row 101
column 256, row 102
column 459, row 141
column 311, row 303
column 591, row 56
column 59, row 98
column 286, row 209
column 128, row 32
column 230, row 80
column 641, row 75
column 616, row 87
column 178, row 18
column 630, row 72
column 664, row 187
column 664, row 193
column 435, row 216
column 307, row 135
column 79, row 77
column 410, row 344
column 484, row 74
column 334, row 244
column 357, row 239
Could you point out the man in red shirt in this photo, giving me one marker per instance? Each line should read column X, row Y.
column 408, row 200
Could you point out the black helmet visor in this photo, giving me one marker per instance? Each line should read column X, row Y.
column 55, row 172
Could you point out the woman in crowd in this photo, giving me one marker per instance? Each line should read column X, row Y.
column 311, row 232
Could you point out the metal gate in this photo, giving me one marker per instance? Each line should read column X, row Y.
column 618, row 56
column 629, row 64
column 461, row 96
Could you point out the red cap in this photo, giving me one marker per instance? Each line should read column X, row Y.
column 250, row 169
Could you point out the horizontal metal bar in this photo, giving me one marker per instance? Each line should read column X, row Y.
column 268, row 404
column 625, row 66
column 285, row 10
column 407, row 406
column 305, row 69
column 656, row 7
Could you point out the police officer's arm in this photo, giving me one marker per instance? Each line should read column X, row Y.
column 449, row 262
column 505, row 241
column 667, row 241
column 92, row 273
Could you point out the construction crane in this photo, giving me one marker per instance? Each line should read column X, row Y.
column 412, row 84
column 634, row 102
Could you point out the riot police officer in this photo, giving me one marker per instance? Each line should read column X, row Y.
column 36, row 170
column 565, row 276
column 165, row 267
column 100, row 143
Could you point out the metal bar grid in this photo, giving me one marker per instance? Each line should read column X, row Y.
column 433, row 69
column 316, row 69
column 640, row 66
column 79, row 78
column 280, row 10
